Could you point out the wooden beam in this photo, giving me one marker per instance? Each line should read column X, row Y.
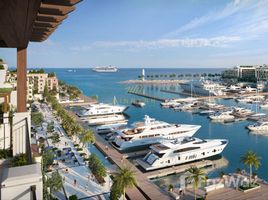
column 21, row 79
column 51, row 9
column 62, row 2
column 50, row 18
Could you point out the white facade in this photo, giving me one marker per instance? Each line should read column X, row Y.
column 19, row 132
column 17, row 182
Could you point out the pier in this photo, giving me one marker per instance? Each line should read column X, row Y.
column 177, row 169
column 148, row 96
column 153, row 81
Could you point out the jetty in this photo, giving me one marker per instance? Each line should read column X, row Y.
column 147, row 96
column 153, row 81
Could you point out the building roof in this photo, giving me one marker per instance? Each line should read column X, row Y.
column 21, row 175
column 31, row 20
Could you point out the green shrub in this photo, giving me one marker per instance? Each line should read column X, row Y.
column 5, row 153
column 19, row 160
column 73, row 197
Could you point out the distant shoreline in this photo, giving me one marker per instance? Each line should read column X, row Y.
column 152, row 81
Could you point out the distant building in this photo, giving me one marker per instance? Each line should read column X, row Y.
column 36, row 82
column 143, row 74
column 259, row 72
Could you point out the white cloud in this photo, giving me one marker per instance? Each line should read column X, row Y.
column 230, row 9
column 221, row 41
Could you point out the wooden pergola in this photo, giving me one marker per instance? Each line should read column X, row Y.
column 24, row 21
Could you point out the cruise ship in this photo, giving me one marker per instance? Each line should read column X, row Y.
column 151, row 131
column 203, row 87
column 105, row 69
column 181, row 151
column 101, row 109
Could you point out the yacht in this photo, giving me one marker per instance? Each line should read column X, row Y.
column 226, row 115
column 233, row 89
column 264, row 105
column 101, row 109
column 108, row 128
column 105, row 119
column 151, row 131
column 105, row 69
column 203, row 87
column 169, row 103
column 259, row 126
column 138, row 103
column 181, row 151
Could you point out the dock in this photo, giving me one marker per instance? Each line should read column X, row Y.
column 153, row 81
column 148, row 96
column 177, row 169
column 227, row 96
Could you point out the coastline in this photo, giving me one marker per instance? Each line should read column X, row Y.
column 152, row 81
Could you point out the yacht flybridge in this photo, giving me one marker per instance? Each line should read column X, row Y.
column 151, row 131
column 181, row 151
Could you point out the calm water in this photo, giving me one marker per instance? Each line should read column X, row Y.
column 106, row 86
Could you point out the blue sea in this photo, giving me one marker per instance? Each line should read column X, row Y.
column 106, row 86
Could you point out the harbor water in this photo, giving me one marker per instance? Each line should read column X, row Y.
column 106, row 86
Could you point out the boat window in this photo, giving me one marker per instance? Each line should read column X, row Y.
column 160, row 155
column 186, row 149
column 179, row 157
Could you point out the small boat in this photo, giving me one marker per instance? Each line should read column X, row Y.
column 207, row 112
column 138, row 103
column 222, row 116
column 259, row 127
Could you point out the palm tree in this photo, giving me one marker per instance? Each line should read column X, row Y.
column 86, row 137
column 124, row 179
column 251, row 160
column 196, row 175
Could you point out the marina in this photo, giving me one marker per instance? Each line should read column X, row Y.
column 131, row 157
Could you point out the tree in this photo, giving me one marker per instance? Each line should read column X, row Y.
column 45, row 93
column 197, row 176
column 37, row 118
column 47, row 158
column 124, row 179
column 251, row 160
column 55, row 182
column 86, row 137
column 96, row 166
column 116, row 192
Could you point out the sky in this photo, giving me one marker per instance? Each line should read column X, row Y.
column 155, row 33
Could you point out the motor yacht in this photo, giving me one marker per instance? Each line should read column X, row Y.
column 101, row 109
column 260, row 126
column 151, row 131
column 181, row 151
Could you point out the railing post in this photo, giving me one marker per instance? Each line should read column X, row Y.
column 28, row 144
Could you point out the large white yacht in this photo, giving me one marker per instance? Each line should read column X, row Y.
column 105, row 119
column 181, row 151
column 101, row 109
column 203, row 87
column 105, row 69
column 151, row 131
column 260, row 126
